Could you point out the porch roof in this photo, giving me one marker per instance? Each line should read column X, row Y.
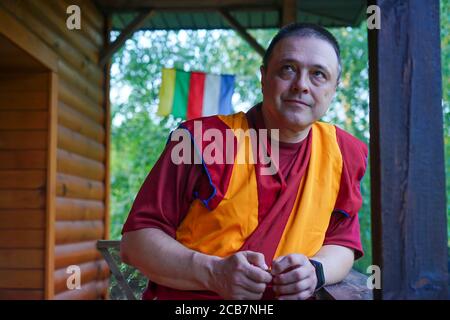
column 250, row 14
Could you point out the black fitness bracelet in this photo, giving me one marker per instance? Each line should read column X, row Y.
column 319, row 273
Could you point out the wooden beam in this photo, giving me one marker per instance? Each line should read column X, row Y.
column 78, row 231
column 22, row 218
column 20, row 36
column 75, row 253
column 91, row 271
column 51, row 187
column 103, row 247
column 20, row 294
column 76, row 99
column 22, row 239
column 80, row 166
column 72, row 141
column 289, row 12
column 21, row 279
column 79, row 122
column 406, row 152
column 328, row 16
column 108, row 244
column 109, row 5
column 203, row 9
column 77, row 187
column 23, row 159
column 77, row 209
column 242, row 32
column 126, row 34
column 353, row 287
column 89, row 291
column 21, row 259
column 107, row 128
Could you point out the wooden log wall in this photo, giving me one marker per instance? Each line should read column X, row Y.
column 81, row 154
column 23, row 182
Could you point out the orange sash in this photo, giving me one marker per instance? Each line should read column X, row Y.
column 223, row 230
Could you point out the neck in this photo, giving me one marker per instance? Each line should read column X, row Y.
column 285, row 134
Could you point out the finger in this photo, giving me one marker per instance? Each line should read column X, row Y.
column 283, row 264
column 294, row 275
column 252, row 286
column 257, row 259
column 258, row 275
column 293, row 288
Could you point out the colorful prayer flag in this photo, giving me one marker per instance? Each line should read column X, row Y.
column 190, row 95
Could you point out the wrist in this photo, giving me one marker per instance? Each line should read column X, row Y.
column 205, row 266
column 320, row 276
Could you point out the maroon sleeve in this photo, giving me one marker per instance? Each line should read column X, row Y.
column 344, row 231
column 165, row 196
column 344, row 226
column 354, row 156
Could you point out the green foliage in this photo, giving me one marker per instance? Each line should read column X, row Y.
column 133, row 277
column 445, row 59
column 350, row 111
column 136, row 145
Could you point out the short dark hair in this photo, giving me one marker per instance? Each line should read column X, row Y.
column 306, row 30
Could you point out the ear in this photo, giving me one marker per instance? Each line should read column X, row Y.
column 338, row 82
column 263, row 78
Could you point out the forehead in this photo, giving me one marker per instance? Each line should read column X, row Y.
column 305, row 50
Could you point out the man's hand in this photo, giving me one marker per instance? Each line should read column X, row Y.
column 240, row 276
column 294, row 277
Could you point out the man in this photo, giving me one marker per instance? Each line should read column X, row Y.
column 211, row 230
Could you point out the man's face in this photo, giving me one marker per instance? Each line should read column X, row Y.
column 299, row 82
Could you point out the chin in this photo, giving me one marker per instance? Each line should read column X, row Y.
column 296, row 125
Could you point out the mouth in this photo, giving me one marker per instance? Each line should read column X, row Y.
column 297, row 102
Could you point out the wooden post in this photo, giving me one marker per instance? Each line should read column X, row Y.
column 126, row 33
column 51, row 186
column 107, row 126
column 406, row 150
column 289, row 12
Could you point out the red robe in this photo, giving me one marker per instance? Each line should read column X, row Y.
column 168, row 191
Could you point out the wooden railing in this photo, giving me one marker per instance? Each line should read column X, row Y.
column 104, row 247
column 353, row 287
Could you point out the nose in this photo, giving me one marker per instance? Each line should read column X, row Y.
column 300, row 84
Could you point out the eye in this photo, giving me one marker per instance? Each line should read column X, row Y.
column 288, row 68
column 319, row 74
